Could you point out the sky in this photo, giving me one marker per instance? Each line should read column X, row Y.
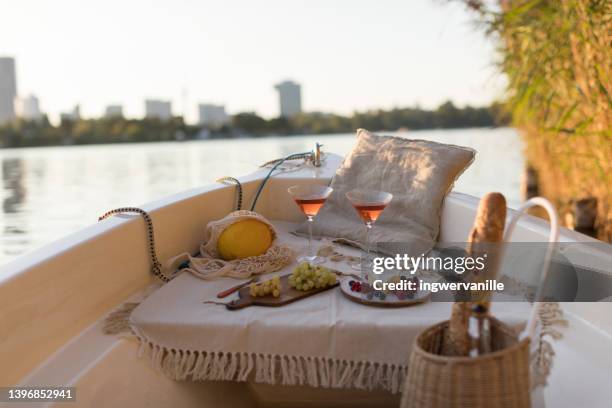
column 347, row 54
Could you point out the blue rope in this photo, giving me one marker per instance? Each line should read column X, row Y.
column 265, row 180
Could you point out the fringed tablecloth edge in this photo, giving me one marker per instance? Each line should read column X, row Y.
column 301, row 370
column 551, row 321
column 271, row 368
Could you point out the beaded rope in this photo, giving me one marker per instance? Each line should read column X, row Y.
column 155, row 264
column 234, row 181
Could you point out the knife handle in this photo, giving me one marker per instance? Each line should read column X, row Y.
column 233, row 289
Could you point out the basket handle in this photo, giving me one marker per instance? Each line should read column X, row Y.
column 552, row 241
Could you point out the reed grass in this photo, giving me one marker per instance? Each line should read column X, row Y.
column 557, row 56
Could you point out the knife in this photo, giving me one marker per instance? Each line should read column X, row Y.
column 233, row 289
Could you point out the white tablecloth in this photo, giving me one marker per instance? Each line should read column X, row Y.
column 324, row 340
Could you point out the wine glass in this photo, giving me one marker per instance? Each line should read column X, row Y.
column 369, row 205
column 310, row 198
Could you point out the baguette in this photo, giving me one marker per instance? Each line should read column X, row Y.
column 488, row 228
column 486, row 236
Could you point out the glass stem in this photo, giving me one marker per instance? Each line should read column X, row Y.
column 310, row 221
column 367, row 240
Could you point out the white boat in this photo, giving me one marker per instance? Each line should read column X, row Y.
column 54, row 300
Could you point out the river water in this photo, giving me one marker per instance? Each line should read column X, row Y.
column 50, row 192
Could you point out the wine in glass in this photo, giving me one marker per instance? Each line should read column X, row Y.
column 310, row 198
column 369, row 204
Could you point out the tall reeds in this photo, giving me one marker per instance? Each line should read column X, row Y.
column 557, row 56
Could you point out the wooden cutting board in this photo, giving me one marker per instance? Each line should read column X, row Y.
column 288, row 295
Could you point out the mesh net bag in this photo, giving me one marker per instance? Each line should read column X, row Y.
column 209, row 265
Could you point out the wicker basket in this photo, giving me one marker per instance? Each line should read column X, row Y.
column 497, row 379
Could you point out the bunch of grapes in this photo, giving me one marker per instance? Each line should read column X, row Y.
column 306, row 276
column 269, row 287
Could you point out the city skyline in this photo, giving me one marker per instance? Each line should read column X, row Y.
column 368, row 56
column 15, row 105
column 209, row 115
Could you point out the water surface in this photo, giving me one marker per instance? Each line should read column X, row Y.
column 50, row 192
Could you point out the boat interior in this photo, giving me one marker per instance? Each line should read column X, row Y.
column 53, row 303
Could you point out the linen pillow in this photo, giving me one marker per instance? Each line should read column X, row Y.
column 418, row 173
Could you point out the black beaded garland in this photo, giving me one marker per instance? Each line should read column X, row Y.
column 155, row 264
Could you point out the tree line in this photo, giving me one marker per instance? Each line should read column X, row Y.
column 22, row 133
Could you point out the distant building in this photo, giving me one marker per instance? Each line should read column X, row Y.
column 71, row 116
column 212, row 115
column 8, row 89
column 114, row 111
column 28, row 108
column 290, row 98
column 158, row 109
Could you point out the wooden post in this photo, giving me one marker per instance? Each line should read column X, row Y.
column 585, row 215
column 529, row 183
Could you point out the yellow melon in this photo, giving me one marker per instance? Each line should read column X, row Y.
column 243, row 239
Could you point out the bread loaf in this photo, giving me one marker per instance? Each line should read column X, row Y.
column 488, row 229
column 486, row 237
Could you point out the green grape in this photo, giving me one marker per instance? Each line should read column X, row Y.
column 306, row 277
column 269, row 287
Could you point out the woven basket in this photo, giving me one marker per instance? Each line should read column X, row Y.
column 497, row 379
